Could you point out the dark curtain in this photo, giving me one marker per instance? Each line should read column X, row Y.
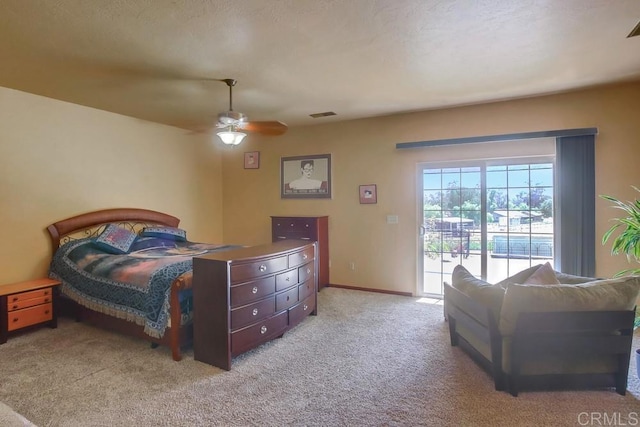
column 575, row 227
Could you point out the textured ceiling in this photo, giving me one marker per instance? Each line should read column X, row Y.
column 155, row 59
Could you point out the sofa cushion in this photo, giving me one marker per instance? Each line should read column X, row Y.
column 610, row 294
column 544, row 275
column 519, row 277
column 479, row 290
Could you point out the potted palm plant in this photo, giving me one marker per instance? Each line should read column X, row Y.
column 627, row 241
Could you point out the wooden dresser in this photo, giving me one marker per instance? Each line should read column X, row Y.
column 245, row 297
column 26, row 304
column 312, row 228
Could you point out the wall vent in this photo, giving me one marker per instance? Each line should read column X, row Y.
column 325, row 114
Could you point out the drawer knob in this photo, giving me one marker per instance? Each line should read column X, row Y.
column 255, row 311
column 46, row 292
column 254, row 290
column 47, row 300
column 308, row 271
column 262, row 267
column 15, row 319
column 14, row 299
column 46, row 312
column 291, row 224
column 15, row 307
column 263, row 330
column 305, row 307
column 288, row 278
column 305, row 256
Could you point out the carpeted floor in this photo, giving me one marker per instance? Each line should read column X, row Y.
column 366, row 360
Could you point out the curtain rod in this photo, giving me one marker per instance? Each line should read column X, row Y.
column 497, row 138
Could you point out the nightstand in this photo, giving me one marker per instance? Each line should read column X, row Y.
column 26, row 304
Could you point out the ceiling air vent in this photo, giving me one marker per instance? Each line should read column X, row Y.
column 635, row 31
column 325, row 114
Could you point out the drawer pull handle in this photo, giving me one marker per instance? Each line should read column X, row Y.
column 14, row 299
column 263, row 330
column 255, row 311
column 15, row 307
column 46, row 312
column 305, row 256
column 306, row 225
column 305, row 307
column 291, row 224
column 262, row 268
column 46, row 292
column 288, row 297
column 308, row 271
column 254, row 290
column 288, row 278
column 15, row 319
column 47, row 300
column 281, row 237
column 305, row 238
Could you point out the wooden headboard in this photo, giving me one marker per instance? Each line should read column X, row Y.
column 92, row 223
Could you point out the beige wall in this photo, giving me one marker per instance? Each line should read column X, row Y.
column 363, row 152
column 58, row 159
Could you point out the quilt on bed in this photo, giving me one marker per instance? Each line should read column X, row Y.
column 135, row 286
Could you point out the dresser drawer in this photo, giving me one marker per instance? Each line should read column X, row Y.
column 29, row 316
column 286, row 299
column 286, row 279
column 242, row 272
column 301, row 257
column 306, row 289
column 301, row 226
column 298, row 312
column 252, row 291
column 305, row 272
column 24, row 303
column 243, row 316
column 251, row 336
column 22, row 296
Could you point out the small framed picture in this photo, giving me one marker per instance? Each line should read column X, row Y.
column 305, row 177
column 368, row 194
column 252, row 160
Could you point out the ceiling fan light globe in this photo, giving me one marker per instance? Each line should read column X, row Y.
column 231, row 137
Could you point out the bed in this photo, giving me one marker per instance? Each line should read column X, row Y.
column 142, row 289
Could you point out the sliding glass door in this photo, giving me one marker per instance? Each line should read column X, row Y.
column 494, row 218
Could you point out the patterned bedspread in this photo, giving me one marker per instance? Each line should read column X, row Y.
column 135, row 286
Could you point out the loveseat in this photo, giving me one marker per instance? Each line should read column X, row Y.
column 544, row 329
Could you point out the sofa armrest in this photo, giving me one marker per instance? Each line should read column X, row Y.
column 476, row 319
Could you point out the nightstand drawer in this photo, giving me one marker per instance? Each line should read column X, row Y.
column 24, row 303
column 29, row 295
column 29, row 316
column 305, row 272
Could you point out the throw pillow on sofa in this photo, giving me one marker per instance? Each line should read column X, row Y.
column 544, row 275
column 610, row 294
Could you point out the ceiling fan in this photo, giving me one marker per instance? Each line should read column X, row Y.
column 233, row 124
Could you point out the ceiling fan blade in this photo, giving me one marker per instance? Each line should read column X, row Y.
column 265, row 128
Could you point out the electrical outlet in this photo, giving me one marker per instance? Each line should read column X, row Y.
column 352, row 266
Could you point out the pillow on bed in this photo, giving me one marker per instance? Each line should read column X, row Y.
column 115, row 240
column 169, row 233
